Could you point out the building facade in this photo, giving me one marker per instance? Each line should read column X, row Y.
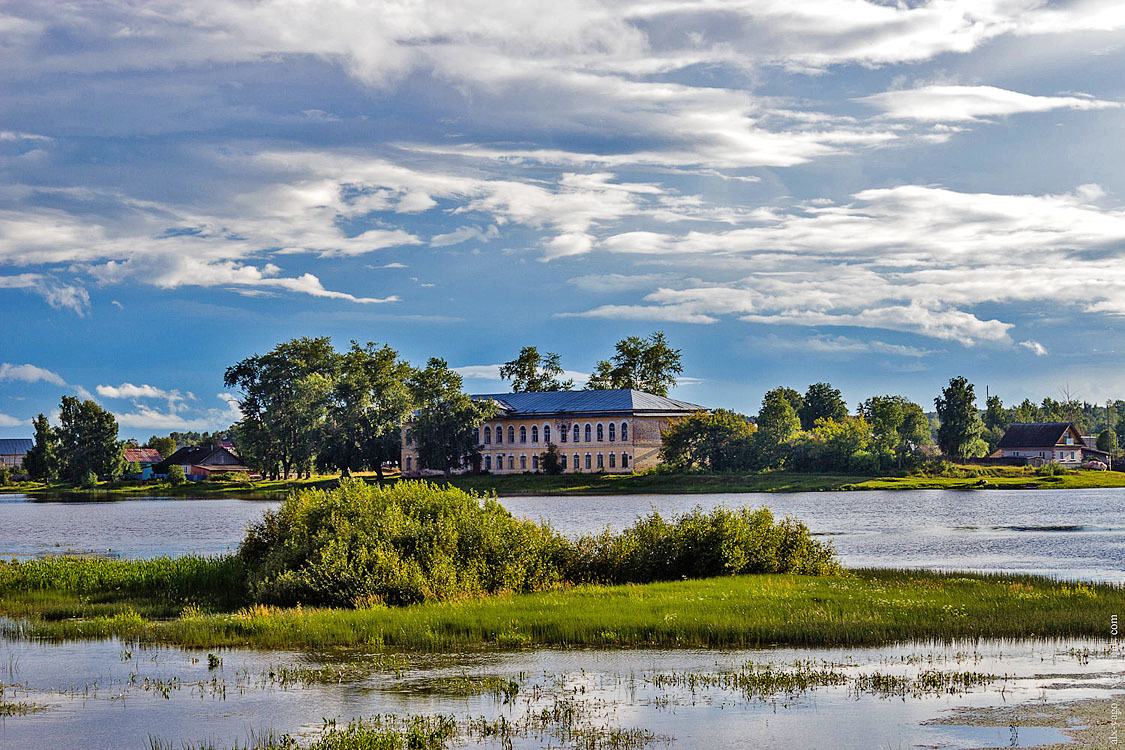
column 1046, row 442
column 615, row 432
column 12, row 451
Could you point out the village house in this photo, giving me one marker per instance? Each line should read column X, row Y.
column 200, row 463
column 145, row 458
column 1043, row 442
column 616, row 432
column 12, row 451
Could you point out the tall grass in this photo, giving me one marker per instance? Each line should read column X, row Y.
column 361, row 544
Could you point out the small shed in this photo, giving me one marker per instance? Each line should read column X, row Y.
column 146, row 458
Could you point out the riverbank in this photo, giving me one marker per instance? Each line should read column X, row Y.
column 648, row 483
column 190, row 604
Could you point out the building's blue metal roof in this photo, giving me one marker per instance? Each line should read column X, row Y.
column 15, row 446
column 554, row 402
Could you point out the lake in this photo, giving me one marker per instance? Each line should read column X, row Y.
column 1077, row 534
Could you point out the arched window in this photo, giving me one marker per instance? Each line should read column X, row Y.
column 410, row 436
column 488, row 463
column 587, row 432
column 601, row 461
column 588, row 461
column 576, row 438
column 612, row 461
column 511, row 462
column 523, row 462
column 409, row 464
column 499, row 434
column 601, row 433
column 562, row 461
column 624, row 431
column 535, row 433
column 500, row 462
column 523, row 434
column 624, row 460
column 612, row 429
column 535, row 463
column 511, row 434
column 546, row 433
column 487, row 435
column 576, row 462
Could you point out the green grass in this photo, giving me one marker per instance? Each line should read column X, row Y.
column 867, row 607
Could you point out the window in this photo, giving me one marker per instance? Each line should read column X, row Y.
column 488, row 463
column 500, row 462
column 523, row 434
column 546, row 433
column 576, row 462
column 612, row 460
column 511, row 462
column 601, row 433
column 563, row 432
column 535, row 433
column 562, row 460
column 409, row 463
column 523, row 462
column 535, row 463
column 587, row 433
column 499, row 434
column 576, row 438
column 487, row 435
column 624, row 431
column 612, row 429
column 511, row 434
column 624, row 460
column 601, row 461
column 588, row 461
column 410, row 437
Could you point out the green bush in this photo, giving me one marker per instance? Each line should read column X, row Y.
column 176, row 475
column 5, row 475
column 1052, row 469
column 361, row 544
column 89, row 480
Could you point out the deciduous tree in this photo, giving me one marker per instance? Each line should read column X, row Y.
column 445, row 425
column 648, row 365
column 821, row 401
column 531, row 372
column 961, row 425
column 87, row 437
column 42, row 461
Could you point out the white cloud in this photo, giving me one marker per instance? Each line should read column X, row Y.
column 461, row 234
column 7, row 421
column 128, row 390
column 957, row 103
column 59, row 295
column 492, row 373
column 842, row 346
column 29, row 374
column 145, row 417
column 1038, row 349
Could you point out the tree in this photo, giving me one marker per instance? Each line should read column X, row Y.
column 898, row 427
column 821, row 401
column 778, row 424
column 42, row 461
column 87, row 437
column 961, row 425
column 176, row 475
column 791, row 395
column 165, row 446
column 720, row 441
column 530, row 372
column 445, row 426
column 284, row 401
column 367, row 406
column 1024, row 413
column 550, row 461
column 1107, row 441
column 648, row 365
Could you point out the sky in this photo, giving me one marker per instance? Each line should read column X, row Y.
column 881, row 195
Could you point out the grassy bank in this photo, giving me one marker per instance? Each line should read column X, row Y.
column 865, row 607
column 655, row 483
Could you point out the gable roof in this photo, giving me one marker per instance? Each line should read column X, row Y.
column 557, row 402
column 15, row 446
column 143, row 455
column 1034, row 434
column 195, row 456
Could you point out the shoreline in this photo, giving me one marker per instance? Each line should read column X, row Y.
column 523, row 485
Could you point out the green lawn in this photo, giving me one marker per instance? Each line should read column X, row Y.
column 865, row 607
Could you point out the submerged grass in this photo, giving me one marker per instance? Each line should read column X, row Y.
column 865, row 607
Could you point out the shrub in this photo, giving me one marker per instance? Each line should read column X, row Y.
column 5, row 475
column 89, row 480
column 176, row 475
column 413, row 541
column 1052, row 469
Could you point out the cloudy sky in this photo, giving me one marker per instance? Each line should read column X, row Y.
column 879, row 194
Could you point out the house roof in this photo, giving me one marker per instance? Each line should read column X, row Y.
column 143, row 455
column 1034, row 434
column 556, row 402
column 15, row 446
column 192, row 455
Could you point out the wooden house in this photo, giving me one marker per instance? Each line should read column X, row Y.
column 201, row 462
column 145, row 458
column 1043, row 442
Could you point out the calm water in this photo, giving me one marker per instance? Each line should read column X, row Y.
column 112, row 695
column 1069, row 533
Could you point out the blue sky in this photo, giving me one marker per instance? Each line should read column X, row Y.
column 877, row 194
